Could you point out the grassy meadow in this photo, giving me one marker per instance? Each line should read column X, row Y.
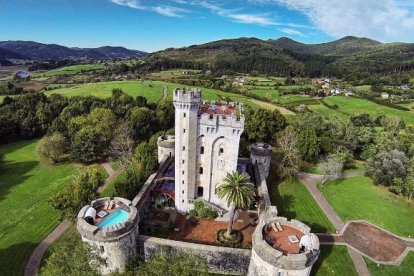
column 359, row 198
column 334, row 260
column 70, row 70
column 295, row 202
column 26, row 183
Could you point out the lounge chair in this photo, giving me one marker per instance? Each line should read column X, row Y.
column 111, row 205
column 274, row 227
column 106, row 205
column 279, row 227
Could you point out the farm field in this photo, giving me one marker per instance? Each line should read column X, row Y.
column 26, row 182
column 275, row 96
column 295, row 202
column 353, row 105
column 359, row 198
column 334, row 260
column 152, row 90
column 405, row 268
column 70, row 70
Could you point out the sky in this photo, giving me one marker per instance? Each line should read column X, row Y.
column 154, row 25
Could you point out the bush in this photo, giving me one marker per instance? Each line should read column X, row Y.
column 201, row 211
column 192, row 213
column 395, row 189
column 235, row 240
column 211, row 214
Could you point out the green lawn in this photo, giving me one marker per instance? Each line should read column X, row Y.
column 26, row 182
column 327, row 112
column 405, row 268
column 152, row 90
column 334, row 260
column 359, row 198
column 71, row 70
column 293, row 201
column 351, row 105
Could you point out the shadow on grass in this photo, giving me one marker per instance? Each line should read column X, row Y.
column 325, row 252
column 13, row 258
column 14, row 173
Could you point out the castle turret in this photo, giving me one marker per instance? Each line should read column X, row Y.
column 282, row 247
column 166, row 147
column 186, row 103
column 261, row 153
column 111, row 228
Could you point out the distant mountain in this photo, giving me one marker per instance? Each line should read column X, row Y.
column 7, row 54
column 40, row 51
column 284, row 56
column 344, row 46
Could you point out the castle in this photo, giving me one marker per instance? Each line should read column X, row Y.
column 193, row 164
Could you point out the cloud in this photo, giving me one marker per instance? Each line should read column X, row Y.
column 292, row 32
column 165, row 10
column 233, row 14
column 385, row 20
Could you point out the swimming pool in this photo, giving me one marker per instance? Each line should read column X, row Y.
column 116, row 217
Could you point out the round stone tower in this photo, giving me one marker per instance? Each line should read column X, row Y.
column 261, row 153
column 111, row 228
column 166, row 147
column 282, row 247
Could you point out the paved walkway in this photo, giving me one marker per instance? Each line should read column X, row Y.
column 33, row 264
column 310, row 181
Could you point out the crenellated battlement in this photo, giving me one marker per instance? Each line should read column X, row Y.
column 187, row 95
column 214, row 120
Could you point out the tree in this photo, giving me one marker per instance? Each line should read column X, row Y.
column 165, row 114
column 87, row 146
column 52, row 146
column 72, row 259
column 308, row 144
column 408, row 189
column 238, row 193
column 263, row 125
column 290, row 162
column 392, row 124
column 104, row 122
column 174, row 264
column 363, row 119
column 81, row 191
column 122, row 145
column 386, row 166
column 142, row 121
column 332, row 167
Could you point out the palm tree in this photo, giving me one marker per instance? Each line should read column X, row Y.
column 238, row 193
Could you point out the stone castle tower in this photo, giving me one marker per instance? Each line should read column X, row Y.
column 207, row 137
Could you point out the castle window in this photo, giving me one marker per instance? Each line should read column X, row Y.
column 211, row 116
column 183, row 182
column 184, row 115
column 200, row 191
column 202, row 150
column 183, row 172
column 183, row 201
column 183, row 191
column 102, row 249
column 221, row 151
column 183, row 161
column 184, row 130
column 201, row 170
column 183, row 147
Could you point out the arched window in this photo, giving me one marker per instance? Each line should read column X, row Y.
column 221, row 151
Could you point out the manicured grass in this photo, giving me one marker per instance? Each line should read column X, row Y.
column 405, row 268
column 352, row 105
column 359, row 198
column 26, row 183
column 293, row 201
column 327, row 112
column 71, row 70
column 334, row 260
column 153, row 91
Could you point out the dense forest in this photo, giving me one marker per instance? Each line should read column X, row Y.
column 348, row 57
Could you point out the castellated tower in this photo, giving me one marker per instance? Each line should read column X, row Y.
column 261, row 153
column 186, row 105
column 207, row 137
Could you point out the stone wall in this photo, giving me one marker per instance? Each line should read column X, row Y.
column 221, row 260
